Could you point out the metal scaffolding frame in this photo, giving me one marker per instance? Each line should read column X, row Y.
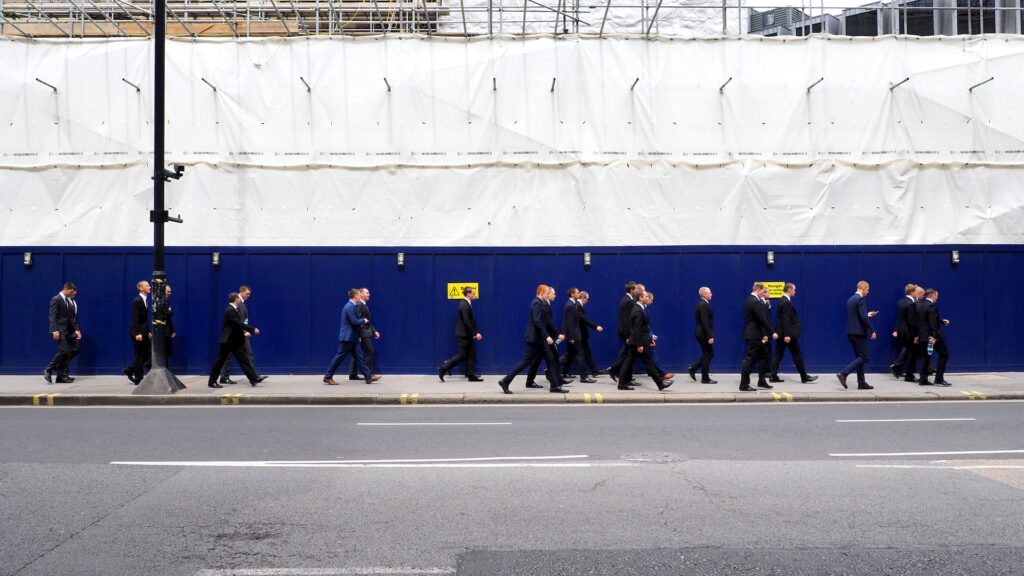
column 256, row 18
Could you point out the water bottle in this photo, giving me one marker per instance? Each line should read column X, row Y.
column 931, row 348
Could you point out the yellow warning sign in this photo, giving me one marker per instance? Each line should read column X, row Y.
column 455, row 289
column 775, row 289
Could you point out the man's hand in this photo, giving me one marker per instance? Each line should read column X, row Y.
column 894, row 335
column 872, row 313
column 78, row 334
column 248, row 334
column 764, row 340
column 572, row 341
column 138, row 337
column 376, row 335
column 786, row 339
column 600, row 328
column 478, row 336
column 173, row 334
column 654, row 343
column 549, row 340
column 256, row 331
column 874, row 336
column 56, row 336
column 945, row 322
column 917, row 339
column 640, row 349
column 560, row 338
column 931, row 340
column 711, row 340
column 775, row 336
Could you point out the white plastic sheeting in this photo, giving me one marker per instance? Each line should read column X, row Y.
column 445, row 159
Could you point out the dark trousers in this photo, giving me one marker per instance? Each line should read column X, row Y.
column 224, row 352
column 347, row 348
column 575, row 353
column 860, row 349
column 647, row 357
column 616, row 366
column 467, row 354
column 536, row 352
column 907, row 360
column 67, row 349
column 368, row 354
column 794, row 350
column 707, row 352
column 589, row 357
column 143, row 352
column 757, row 351
column 531, row 376
column 224, row 372
column 940, row 350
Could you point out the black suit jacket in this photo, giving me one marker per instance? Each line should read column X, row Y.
column 367, row 329
column 585, row 322
column 571, row 321
column 232, row 329
column 929, row 321
column 756, row 322
column 625, row 310
column 787, row 322
column 639, row 327
column 140, row 317
column 541, row 323
column 63, row 318
column 465, row 323
column 705, row 318
column 906, row 318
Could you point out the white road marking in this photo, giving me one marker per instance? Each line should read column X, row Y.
column 963, row 452
column 434, row 424
column 933, row 467
column 367, row 571
column 915, row 420
column 484, row 462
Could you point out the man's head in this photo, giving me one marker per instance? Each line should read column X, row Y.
column 789, row 289
column 909, row 289
column 630, row 287
column 353, row 294
column 932, row 294
column 583, row 297
column 244, row 291
column 639, row 290
column 573, row 293
column 863, row 287
column 918, row 292
column 233, row 298
column 468, row 293
column 69, row 290
column 167, row 290
column 550, row 294
column 647, row 298
column 364, row 294
column 704, row 293
column 542, row 290
column 758, row 289
column 143, row 287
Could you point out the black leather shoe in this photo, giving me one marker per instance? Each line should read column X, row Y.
column 258, row 380
column 356, row 377
column 937, row 383
column 842, row 379
column 68, row 378
column 227, row 380
column 709, row 381
column 440, row 373
column 808, row 379
column 475, row 379
column 48, row 376
column 533, row 385
column 924, row 382
column 910, row 378
column 634, row 383
column 214, row 385
column 128, row 374
column 63, row 380
column 747, row 389
column 504, row 386
column 586, row 380
column 614, row 376
column 865, row 386
column 776, row 379
column 620, row 387
column 559, row 390
column 895, row 370
column 665, row 384
column 692, row 371
column 764, row 385
column 566, row 381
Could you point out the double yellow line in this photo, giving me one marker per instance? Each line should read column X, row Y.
column 973, row 395
column 780, row 395
column 37, row 400
column 597, row 398
column 410, row 399
column 226, row 399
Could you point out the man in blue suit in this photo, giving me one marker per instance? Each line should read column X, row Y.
column 858, row 329
column 348, row 340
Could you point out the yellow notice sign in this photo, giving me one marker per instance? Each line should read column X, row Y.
column 455, row 289
column 775, row 289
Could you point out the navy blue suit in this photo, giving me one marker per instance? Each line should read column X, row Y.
column 858, row 329
column 573, row 328
column 348, row 340
column 537, row 331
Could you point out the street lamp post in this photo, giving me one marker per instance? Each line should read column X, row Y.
column 160, row 379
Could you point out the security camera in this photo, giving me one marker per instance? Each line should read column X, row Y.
column 179, row 170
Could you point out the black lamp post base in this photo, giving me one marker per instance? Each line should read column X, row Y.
column 159, row 381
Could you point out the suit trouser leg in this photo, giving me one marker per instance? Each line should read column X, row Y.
column 143, row 351
column 531, row 376
column 344, row 349
column 550, row 356
column 465, row 346
column 223, row 355
column 368, row 353
column 626, row 371
column 707, row 352
column 901, row 358
column 750, row 354
column 588, row 355
column 943, row 351
column 58, row 365
column 243, row 361
column 616, row 366
column 650, row 363
column 780, row 349
column 764, row 361
column 798, row 357
column 579, row 353
column 859, row 344
column 532, row 353
column 909, row 365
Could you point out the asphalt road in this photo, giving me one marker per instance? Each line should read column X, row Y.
column 873, row 488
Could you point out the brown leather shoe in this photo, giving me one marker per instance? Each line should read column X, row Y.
column 330, row 382
column 668, row 376
column 372, row 379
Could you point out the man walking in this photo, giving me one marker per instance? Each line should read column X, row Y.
column 65, row 332
column 367, row 334
column 140, row 333
column 787, row 326
column 640, row 342
column 633, row 290
column 757, row 328
column 232, row 343
column 705, row 335
column 586, row 324
column 931, row 322
column 573, row 327
column 467, row 336
column 539, row 343
column 244, row 294
column 549, row 322
column 858, row 330
column 348, row 336
column 906, row 332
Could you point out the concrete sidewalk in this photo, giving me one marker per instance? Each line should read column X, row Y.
column 422, row 389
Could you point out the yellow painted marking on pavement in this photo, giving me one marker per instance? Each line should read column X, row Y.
column 37, row 399
column 973, row 394
column 586, row 397
column 404, row 398
column 50, row 397
column 226, row 399
column 600, row 398
column 777, row 396
column 789, row 397
column 236, row 398
column 415, row 398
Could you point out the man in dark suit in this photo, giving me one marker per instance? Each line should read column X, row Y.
column 467, row 336
column 931, row 323
column 549, row 322
column 65, row 332
column 906, row 332
column 367, row 334
column 858, row 330
column 169, row 323
column 573, row 327
column 757, row 329
column 640, row 341
column 633, row 291
column 787, row 326
column 586, row 324
column 140, row 333
column 348, row 340
column 539, row 342
column 232, row 343
column 705, row 335
column 244, row 294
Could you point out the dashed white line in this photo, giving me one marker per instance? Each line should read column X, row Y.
column 434, row 424
column 914, row 420
column 366, row 571
column 958, row 453
column 568, row 461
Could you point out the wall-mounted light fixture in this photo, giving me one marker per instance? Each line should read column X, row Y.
column 954, row 257
column 215, row 259
column 401, row 260
column 586, row 260
column 27, row 259
column 771, row 257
